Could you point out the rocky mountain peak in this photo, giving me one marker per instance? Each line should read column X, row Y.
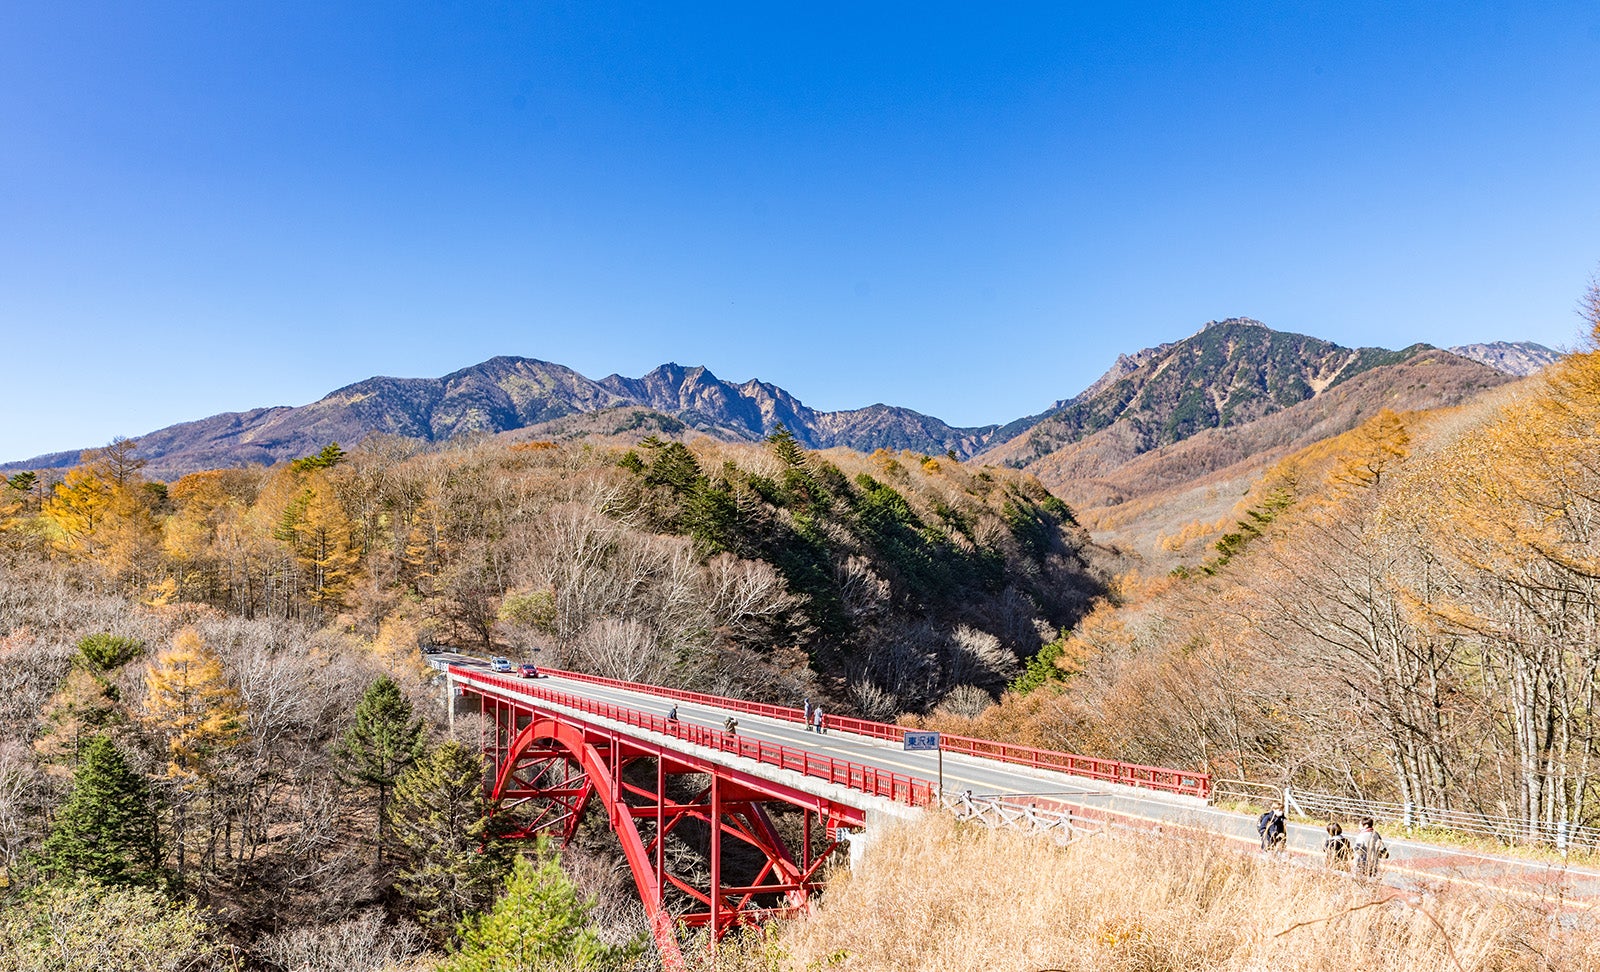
column 1519, row 358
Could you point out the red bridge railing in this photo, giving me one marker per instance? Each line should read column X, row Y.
column 866, row 779
column 1109, row 770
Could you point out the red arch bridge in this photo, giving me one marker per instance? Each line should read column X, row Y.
column 721, row 829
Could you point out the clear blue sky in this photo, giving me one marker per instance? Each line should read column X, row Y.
column 966, row 210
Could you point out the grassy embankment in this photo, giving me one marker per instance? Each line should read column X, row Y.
column 944, row 896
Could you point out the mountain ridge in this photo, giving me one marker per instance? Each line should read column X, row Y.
column 507, row 393
column 1241, row 370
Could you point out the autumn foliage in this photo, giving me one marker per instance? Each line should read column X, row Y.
column 1415, row 621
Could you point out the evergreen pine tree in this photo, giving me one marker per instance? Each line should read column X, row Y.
column 1042, row 668
column 330, row 456
column 539, row 923
column 106, row 829
column 453, row 868
column 384, row 742
column 107, row 652
column 786, row 448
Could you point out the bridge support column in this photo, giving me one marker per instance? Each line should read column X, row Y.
column 716, row 858
column 861, row 839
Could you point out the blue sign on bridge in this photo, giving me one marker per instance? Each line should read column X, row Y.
column 922, row 740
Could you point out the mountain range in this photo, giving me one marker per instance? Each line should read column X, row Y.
column 1234, row 389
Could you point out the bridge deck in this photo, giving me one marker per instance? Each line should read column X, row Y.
column 1410, row 860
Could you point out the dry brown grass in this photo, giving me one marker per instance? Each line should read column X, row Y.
column 938, row 895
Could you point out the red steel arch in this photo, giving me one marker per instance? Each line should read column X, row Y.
column 548, row 766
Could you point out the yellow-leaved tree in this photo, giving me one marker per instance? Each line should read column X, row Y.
column 101, row 511
column 322, row 539
column 189, row 702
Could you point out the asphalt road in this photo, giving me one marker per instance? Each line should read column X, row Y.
column 1410, row 862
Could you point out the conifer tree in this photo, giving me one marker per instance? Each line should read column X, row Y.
column 23, row 482
column 330, row 456
column 384, row 742
column 106, row 829
column 539, row 923
column 106, row 652
column 453, row 868
column 786, row 448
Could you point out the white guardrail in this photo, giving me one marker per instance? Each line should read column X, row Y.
column 1000, row 813
column 1330, row 806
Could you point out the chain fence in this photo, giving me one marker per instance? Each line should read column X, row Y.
column 1328, row 806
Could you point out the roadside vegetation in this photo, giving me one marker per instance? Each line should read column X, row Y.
column 939, row 895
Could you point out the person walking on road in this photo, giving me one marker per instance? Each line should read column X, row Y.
column 1369, row 850
column 1272, row 829
column 672, row 713
column 816, row 716
column 807, row 719
column 1336, row 848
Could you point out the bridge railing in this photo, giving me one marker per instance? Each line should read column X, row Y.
column 1107, row 770
column 866, row 779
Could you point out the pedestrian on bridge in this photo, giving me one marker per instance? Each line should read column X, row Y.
column 1370, row 850
column 1336, row 848
column 816, row 715
column 731, row 726
column 807, row 719
column 672, row 713
column 1272, row 828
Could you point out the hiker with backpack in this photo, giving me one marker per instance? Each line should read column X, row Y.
column 1336, row 848
column 1369, row 850
column 1272, row 828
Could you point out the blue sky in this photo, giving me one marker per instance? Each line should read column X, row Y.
column 967, row 211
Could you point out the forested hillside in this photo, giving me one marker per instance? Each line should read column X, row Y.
column 1404, row 612
column 224, row 671
column 891, row 573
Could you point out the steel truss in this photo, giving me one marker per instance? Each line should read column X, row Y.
column 547, row 766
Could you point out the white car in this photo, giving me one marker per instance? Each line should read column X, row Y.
column 500, row 664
